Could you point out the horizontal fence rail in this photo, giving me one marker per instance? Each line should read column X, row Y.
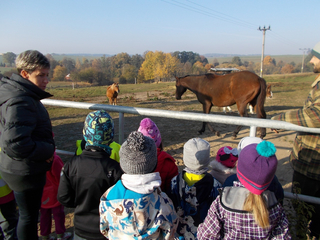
column 253, row 123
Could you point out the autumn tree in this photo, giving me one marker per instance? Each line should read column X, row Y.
column 53, row 64
column 128, row 73
column 59, row 73
column 215, row 62
column 191, row 57
column 198, row 68
column 158, row 65
column 288, row 68
column 9, row 58
column 208, row 67
column 68, row 63
column 96, row 64
column 269, row 61
column 236, row 60
column 78, row 64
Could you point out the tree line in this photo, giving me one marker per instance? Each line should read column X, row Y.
column 151, row 66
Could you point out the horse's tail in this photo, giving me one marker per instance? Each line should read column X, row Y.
column 261, row 99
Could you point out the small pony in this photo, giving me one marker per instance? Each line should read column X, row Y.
column 112, row 93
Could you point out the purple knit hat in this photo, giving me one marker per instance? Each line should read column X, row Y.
column 149, row 128
column 257, row 165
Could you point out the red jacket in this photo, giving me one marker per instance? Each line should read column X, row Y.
column 50, row 191
column 167, row 168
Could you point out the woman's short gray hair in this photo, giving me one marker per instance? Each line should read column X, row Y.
column 31, row 60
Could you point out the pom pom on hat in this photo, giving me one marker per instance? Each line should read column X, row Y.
column 316, row 50
column 149, row 128
column 256, row 166
column 138, row 154
column 227, row 156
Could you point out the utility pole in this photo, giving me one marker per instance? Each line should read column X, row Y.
column 303, row 49
column 264, row 29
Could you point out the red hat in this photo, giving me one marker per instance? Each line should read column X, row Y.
column 227, row 156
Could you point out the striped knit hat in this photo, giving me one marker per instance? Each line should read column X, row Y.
column 316, row 50
column 257, row 165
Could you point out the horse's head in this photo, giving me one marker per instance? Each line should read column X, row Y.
column 269, row 92
column 116, row 87
column 179, row 89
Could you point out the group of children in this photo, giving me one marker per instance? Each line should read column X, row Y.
column 139, row 193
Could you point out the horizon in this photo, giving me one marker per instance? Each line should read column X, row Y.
column 134, row 27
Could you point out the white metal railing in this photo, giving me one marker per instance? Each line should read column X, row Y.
column 253, row 123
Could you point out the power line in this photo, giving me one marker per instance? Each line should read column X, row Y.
column 208, row 13
column 224, row 17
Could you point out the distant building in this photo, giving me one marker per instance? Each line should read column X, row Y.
column 223, row 71
column 67, row 77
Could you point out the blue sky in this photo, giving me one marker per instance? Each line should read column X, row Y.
column 136, row 26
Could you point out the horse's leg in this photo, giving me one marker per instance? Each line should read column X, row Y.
column 242, row 108
column 206, row 109
column 251, row 108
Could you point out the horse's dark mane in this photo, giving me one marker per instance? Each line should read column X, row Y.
column 198, row 75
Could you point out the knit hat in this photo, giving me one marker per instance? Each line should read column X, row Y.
column 196, row 155
column 316, row 50
column 247, row 141
column 227, row 156
column 98, row 130
column 256, row 166
column 149, row 128
column 138, row 154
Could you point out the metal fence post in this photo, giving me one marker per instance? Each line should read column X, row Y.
column 121, row 127
column 253, row 130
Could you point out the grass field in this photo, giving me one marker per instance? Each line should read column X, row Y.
column 257, row 58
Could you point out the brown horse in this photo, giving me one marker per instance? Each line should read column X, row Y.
column 269, row 94
column 112, row 93
column 238, row 88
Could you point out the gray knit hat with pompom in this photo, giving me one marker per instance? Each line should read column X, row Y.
column 138, row 154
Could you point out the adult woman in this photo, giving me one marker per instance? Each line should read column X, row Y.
column 26, row 140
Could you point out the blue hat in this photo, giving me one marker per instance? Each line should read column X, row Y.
column 98, row 130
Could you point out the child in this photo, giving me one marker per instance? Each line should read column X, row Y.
column 166, row 164
column 50, row 204
column 225, row 163
column 274, row 186
column 135, row 207
column 8, row 208
column 248, row 210
column 193, row 190
column 87, row 176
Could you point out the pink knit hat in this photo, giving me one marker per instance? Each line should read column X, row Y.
column 149, row 128
column 227, row 156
